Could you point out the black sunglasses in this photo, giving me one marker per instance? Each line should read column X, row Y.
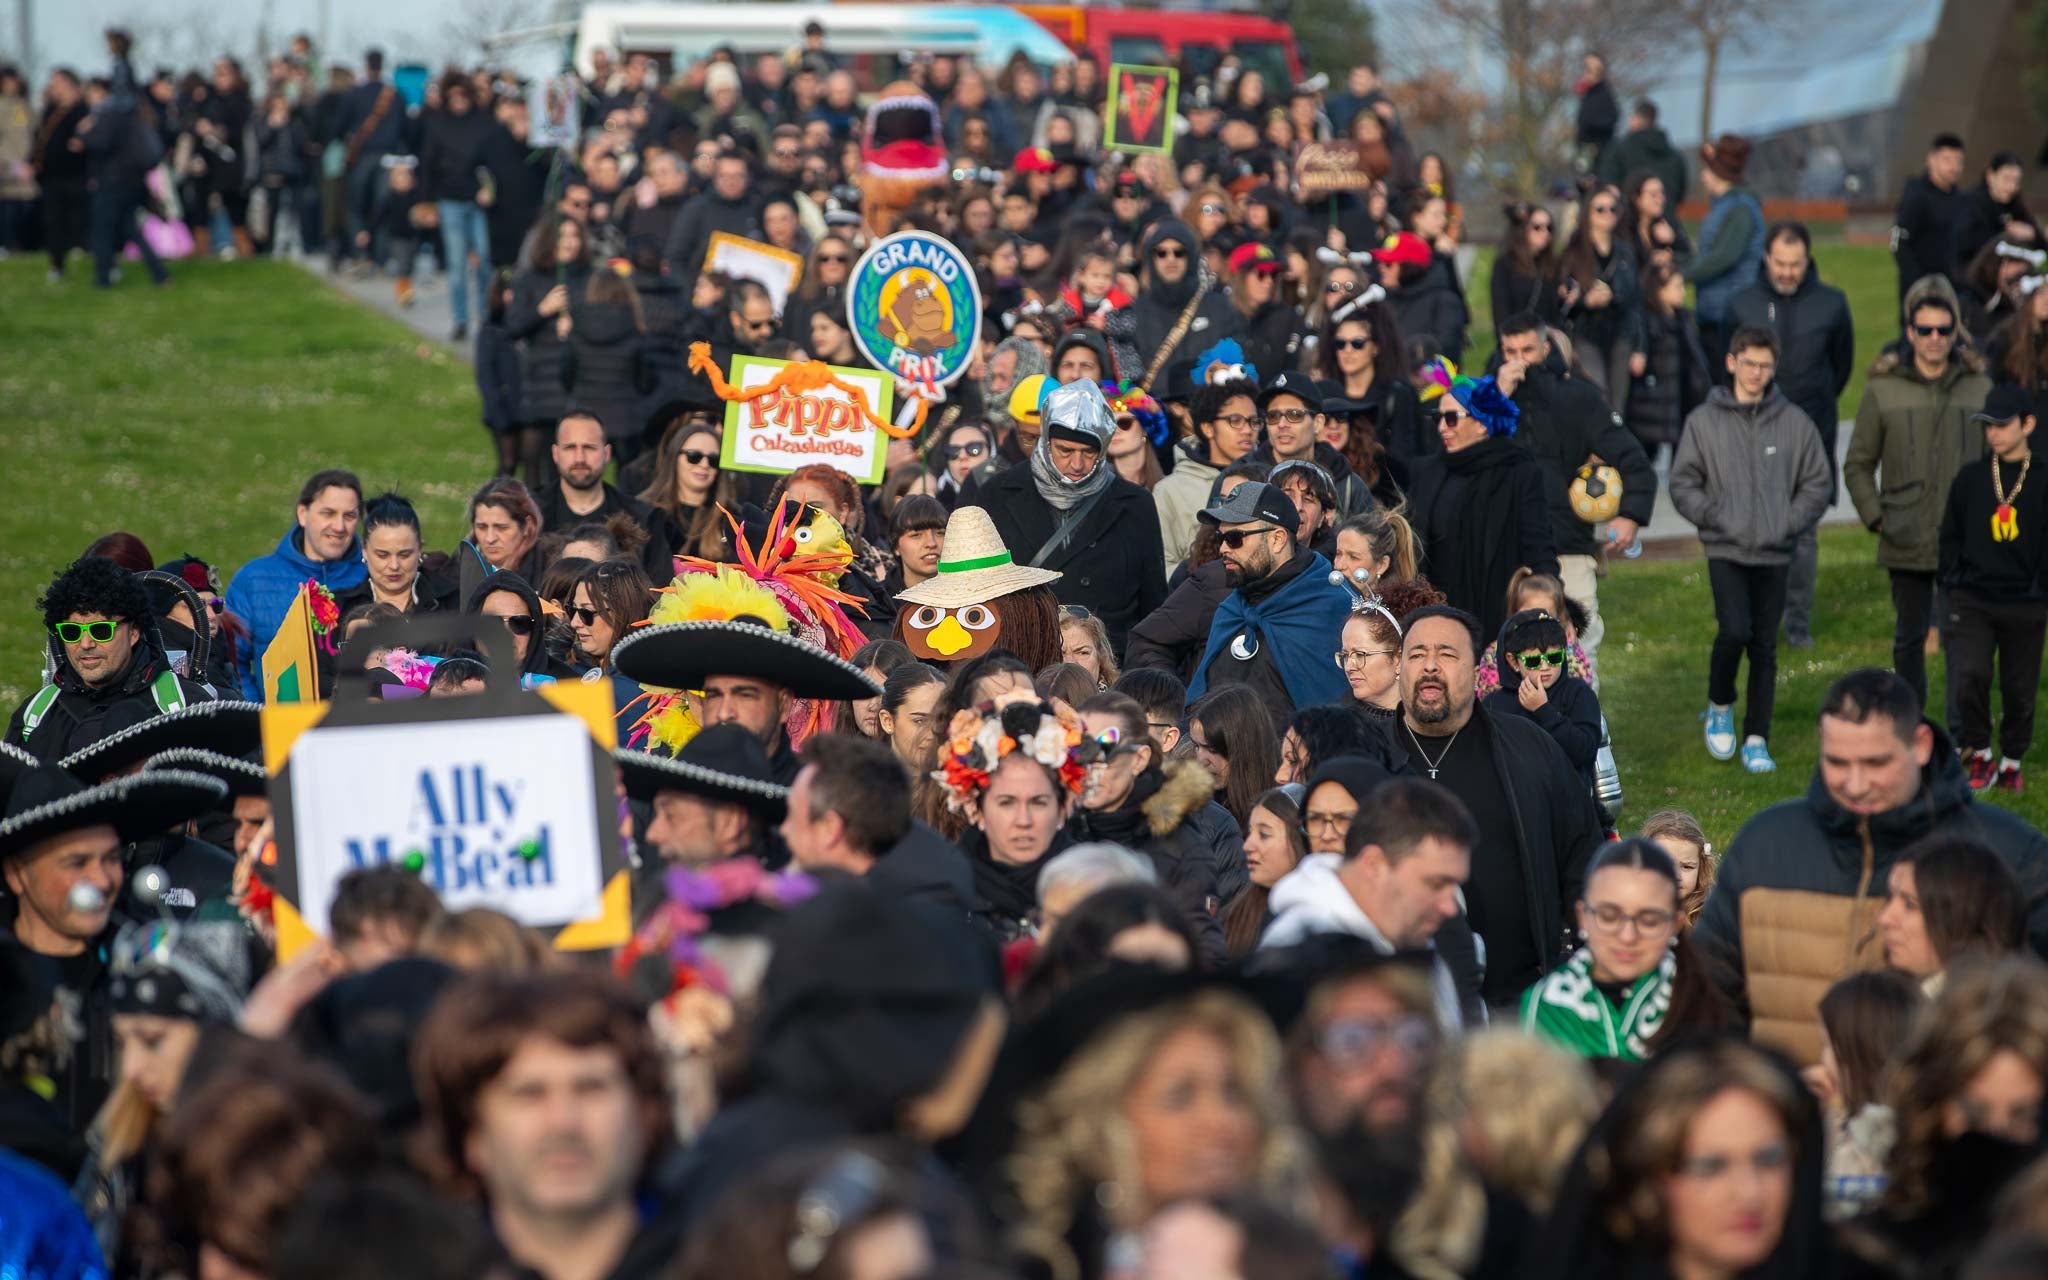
column 1932, row 330
column 696, row 459
column 1449, row 417
column 1351, row 344
column 1235, row 538
column 839, row 258
column 957, row 451
column 1169, row 251
column 519, row 624
column 588, row 617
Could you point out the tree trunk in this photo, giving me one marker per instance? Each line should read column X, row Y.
column 1710, row 44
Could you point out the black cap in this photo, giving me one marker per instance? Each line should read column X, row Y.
column 2008, row 400
column 1293, row 382
column 1251, row 503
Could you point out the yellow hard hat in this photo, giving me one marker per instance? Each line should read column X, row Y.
column 1025, row 398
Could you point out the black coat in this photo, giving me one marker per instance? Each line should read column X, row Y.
column 79, row 716
column 1674, row 381
column 1174, row 636
column 1557, row 828
column 657, row 557
column 602, row 372
column 1112, row 565
column 500, row 377
column 1564, row 420
column 1159, row 305
column 1979, row 219
column 1923, row 231
column 705, row 213
column 519, row 188
column 926, row 866
column 1816, row 342
column 1514, row 291
column 1271, row 339
column 1481, row 514
column 451, row 151
column 544, row 398
column 1432, row 308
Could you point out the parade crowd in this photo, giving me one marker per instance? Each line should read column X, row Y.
column 1165, row 828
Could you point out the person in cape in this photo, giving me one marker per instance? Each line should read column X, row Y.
column 1283, row 619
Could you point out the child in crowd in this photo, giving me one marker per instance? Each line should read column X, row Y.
column 1092, row 299
column 400, row 214
column 1993, row 535
column 1530, row 590
column 1681, row 836
column 1534, row 684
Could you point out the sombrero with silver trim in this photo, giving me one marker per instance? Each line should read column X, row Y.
column 974, row 566
column 244, row 775
column 722, row 762
column 14, row 762
column 227, row 727
column 682, row 655
column 49, row 801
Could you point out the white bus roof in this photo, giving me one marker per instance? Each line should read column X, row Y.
column 990, row 33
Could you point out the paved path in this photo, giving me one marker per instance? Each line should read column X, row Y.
column 1668, row 525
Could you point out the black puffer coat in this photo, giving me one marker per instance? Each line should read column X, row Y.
column 1157, row 820
column 544, row 397
column 603, row 372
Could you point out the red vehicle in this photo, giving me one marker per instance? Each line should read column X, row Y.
column 1193, row 40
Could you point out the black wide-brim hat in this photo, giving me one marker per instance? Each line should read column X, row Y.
column 683, row 655
column 243, row 775
column 50, row 801
column 14, row 764
column 226, row 728
column 723, row 762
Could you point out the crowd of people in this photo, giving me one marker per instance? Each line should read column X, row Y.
column 1166, row 828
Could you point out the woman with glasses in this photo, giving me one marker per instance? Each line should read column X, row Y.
column 823, row 287
column 1636, row 984
column 1137, row 799
column 1211, row 211
column 962, row 453
column 1598, row 295
column 511, row 599
column 1370, row 658
column 1362, row 350
column 609, row 598
column 1525, row 271
column 689, row 489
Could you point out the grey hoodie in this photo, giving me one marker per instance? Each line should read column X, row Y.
column 1751, row 478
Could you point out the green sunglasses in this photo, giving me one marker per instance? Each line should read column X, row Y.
column 72, row 632
column 1536, row 660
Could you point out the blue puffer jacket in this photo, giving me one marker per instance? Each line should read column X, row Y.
column 263, row 591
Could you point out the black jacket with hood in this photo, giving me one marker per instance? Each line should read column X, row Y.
column 1565, row 419
column 1159, row 305
column 1480, row 514
column 1353, row 497
column 1816, row 342
column 79, row 716
column 1770, row 913
column 548, row 641
column 1432, row 306
column 703, row 214
column 1158, row 820
column 1570, row 714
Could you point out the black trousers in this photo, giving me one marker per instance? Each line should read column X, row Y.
column 1749, row 600
column 1982, row 631
column 66, row 218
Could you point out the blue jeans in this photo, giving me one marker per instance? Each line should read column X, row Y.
column 464, row 230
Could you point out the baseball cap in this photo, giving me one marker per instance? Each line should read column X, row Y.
column 1034, row 160
column 1403, row 249
column 1292, row 382
column 2007, row 400
column 1254, row 256
column 1254, row 502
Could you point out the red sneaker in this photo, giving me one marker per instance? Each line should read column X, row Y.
column 2009, row 779
column 1983, row 767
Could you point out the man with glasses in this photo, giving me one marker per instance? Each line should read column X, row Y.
column 1291, row 409
column 1566, row 420
column 1406, row 853
column 104, row 654
column 754, row 322
column 1173, row 305
column 1273, row 631
column 1226, row 417
column 580, row 494
column 1915, row 421
column 1537, row 826
column 1751, row 476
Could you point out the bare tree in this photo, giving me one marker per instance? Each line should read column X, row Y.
column 473, row 24
column 1722, row 26
column 1524, row 132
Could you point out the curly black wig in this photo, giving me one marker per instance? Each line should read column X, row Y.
column 94, row 585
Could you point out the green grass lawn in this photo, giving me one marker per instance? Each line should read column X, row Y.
column 189, row 416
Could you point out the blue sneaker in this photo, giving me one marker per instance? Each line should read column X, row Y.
column 1720, row 731
column 1756, row 757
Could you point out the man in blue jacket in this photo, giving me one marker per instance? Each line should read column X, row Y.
column 320, row 548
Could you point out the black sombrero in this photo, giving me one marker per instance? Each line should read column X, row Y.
column 682, row 655
column 49, row 801
column 244, row 775
column 723, row 762
column 226, row 728
column 14, row 762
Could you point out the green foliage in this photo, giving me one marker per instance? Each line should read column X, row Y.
column 1332, row 35
column 189, row 416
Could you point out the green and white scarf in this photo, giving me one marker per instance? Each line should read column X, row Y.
column 1567, row 1007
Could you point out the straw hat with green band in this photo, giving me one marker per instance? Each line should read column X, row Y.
column 974, row 566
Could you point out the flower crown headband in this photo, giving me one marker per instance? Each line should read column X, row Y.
column 980, row 737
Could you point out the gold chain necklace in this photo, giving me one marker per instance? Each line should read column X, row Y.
column 2005, row 522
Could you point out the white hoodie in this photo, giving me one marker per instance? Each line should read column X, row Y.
column 1310, row 900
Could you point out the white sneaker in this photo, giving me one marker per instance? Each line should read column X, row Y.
column 1720, row 731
